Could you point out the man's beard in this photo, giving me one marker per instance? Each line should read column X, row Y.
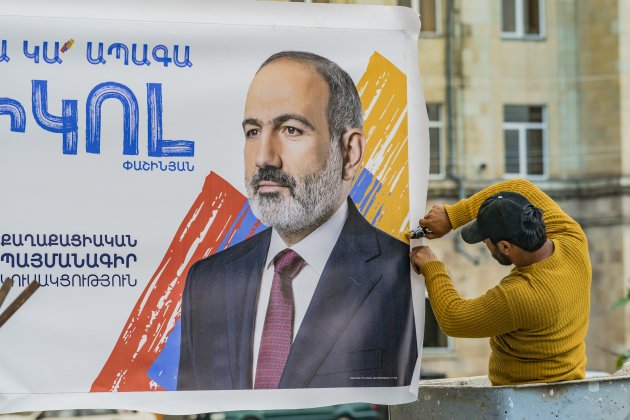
column 313, row 197
column 502, row 259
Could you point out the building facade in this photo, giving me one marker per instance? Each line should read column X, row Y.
column 537, row 90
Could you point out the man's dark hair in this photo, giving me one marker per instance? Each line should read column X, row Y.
column 533, row 233
column 344, row 109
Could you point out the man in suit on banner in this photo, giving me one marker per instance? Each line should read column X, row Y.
column 322, row 298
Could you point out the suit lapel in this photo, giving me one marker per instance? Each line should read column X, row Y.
column 343, row 286
column 241, row 290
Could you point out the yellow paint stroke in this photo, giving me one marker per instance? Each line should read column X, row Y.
column 383, row 92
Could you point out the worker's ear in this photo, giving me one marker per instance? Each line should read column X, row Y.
column 353, row 144
column 505, row 247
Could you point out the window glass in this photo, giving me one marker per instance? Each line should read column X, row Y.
column 523, row 113
column 428, row 15
column 433, row 111
column 511, row 152
column 509, row 16
column 434, row 141
column 514, row 113
column 535, row 164
column 433, row 335
column 531, row 17
column 535, row 114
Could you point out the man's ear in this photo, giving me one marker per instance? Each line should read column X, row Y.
column 505, row 247
column 353, row 149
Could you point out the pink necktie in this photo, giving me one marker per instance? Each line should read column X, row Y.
column 278, row 328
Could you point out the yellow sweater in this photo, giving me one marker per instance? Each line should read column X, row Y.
column 537, row 316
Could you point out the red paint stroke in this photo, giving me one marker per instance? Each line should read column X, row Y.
column 154, row 315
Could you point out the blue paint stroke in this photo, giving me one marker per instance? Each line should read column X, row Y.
column 243, row 227
column 164, row 370
column 364, row 191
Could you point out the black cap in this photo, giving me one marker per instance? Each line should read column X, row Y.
column 499, row 218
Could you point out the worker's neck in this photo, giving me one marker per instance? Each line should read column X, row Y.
column 524, row 258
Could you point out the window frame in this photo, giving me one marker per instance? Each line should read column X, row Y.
column 521, row 128
column 519, row 32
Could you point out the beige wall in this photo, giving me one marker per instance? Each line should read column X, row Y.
column 624, row 88
column 573, row 72
column 600, row 89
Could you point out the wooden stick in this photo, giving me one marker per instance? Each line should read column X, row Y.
column 4, row 290
column 19, row 301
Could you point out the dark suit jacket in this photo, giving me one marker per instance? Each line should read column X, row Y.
column 358, row 329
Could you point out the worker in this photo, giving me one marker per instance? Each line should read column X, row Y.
column 536, row 316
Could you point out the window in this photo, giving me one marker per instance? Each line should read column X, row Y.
column 434, row 338
column 525, row 137
column 429, row 14
column 523, row 19
column 436, row 141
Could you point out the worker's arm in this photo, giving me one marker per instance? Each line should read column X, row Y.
column 486, row 316
column 556, row 220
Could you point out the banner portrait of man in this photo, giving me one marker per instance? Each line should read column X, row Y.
column 348, row 304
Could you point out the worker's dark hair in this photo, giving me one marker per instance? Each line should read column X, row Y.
column 344, row 109
column 533, row 234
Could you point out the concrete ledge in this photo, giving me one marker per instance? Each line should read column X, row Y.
column 558, row 189
column 606, row 397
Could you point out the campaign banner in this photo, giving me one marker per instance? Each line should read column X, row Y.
column 207, row 203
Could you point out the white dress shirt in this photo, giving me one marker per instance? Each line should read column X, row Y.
column 314, row 250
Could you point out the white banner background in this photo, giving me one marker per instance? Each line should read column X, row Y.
column 55, row 346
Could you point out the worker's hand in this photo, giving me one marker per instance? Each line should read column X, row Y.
column 421, row 255
column 437, row 221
